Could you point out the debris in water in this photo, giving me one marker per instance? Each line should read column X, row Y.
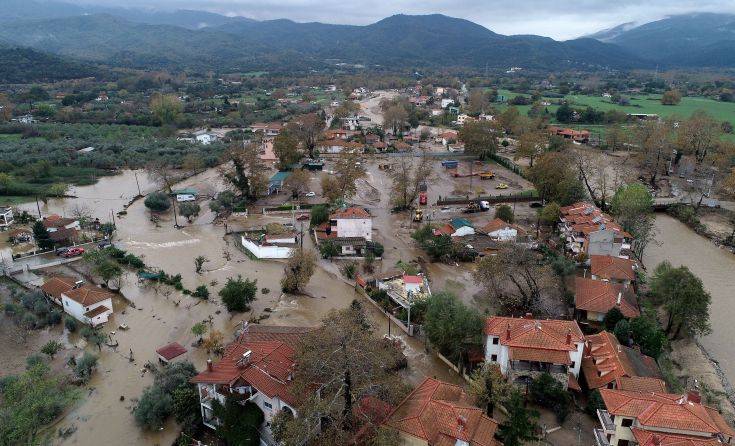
column 122, row 397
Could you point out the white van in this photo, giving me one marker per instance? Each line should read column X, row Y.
column 185, row 197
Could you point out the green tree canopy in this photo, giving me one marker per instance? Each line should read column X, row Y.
column 684, row 298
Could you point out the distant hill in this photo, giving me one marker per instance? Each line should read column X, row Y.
column 703, row 39
column 399, row 41
column 25, row 65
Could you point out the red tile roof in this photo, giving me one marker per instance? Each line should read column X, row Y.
column 418, row 280
column 56, row 285
column 601, row 297
column 609, row 267
column 440, row 414
column 88, row 295
column 447, row 229
column 665, row 411
column 269, row 366
column 171, row 351
column 539, row 355
column 96, row 311
column 351, row 212
column 606, row 361
column 498, row 224
column 647, row 438
column 546, row 335
column 641, row 384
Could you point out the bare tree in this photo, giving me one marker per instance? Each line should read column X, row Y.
column 654, row 143
column 407, row 176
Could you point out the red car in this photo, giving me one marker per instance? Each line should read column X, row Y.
column 73, row 252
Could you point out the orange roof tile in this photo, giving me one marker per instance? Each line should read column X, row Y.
column 601, row 297
column 605, row 361
column 351, row 212
column 88, row 295
column 609, row 267
column 440, row 414
column 647, row 438
column 547, row 334
column 57, row 285
column 665, row 411
column 498, row 224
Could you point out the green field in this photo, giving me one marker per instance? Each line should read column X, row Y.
column 648, row 104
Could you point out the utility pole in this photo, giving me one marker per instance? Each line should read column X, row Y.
column 176, row 220
column 38, row 207
column 136, row 182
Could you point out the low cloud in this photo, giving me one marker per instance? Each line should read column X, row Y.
column 571, row 19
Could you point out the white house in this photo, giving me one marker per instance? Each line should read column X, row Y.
column 462, row 118
column 54, row 222
column 258, row 367
column 526, row 347
column 352, row 222
column 270, row 247
column 351, row 123
column 447, row 102
column 86, row 303
column 204, row 137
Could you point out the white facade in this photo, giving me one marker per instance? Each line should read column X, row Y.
column 269, row 406
column 464, row 231
column 447, row 102
column 206, row 138
column 498, row 353
column 73, row 225
column 6, row 217
column 77, row 310
column 266, row 251
column 354, row 227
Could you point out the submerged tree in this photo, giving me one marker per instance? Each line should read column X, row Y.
column 299, row 269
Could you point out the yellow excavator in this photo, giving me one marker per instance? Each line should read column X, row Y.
column 418, row 215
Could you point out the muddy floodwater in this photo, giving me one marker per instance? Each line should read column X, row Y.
column 110, row 193
column 716, row 267
column 157, row 315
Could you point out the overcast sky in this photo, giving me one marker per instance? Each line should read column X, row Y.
column 560, row 19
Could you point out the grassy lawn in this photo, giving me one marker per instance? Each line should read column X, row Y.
column 12, row 200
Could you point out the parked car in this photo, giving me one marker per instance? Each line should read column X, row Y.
column 311, row 194
column 105, row 244
column 501, row 186
column 73, row 252
column 61, row 251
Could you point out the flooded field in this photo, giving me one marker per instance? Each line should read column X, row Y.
column 716, row 267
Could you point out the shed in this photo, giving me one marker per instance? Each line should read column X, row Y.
column 169, row 352
column 275, row 184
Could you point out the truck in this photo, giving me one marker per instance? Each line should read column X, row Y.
column 423, row 199
column 476, row 206
column 489, row 175
column 450, row 164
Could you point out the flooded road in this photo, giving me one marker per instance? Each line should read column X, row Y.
column 716, row 267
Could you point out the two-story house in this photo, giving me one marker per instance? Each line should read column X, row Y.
column 86, row 303
column 635, row 418
column 258, row 367
column 350, row 229
column 526, row 347
column 441, row 414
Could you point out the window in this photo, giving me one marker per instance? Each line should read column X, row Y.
column 627, row 422
column 494, row 358
column 572, row 365
column 495, row 341
column 267, row 404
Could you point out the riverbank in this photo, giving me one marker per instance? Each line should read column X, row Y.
column 710, row 359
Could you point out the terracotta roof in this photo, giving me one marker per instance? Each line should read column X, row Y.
column 62, row 234
column 601, row 297
column 665, row 411
column 539, row 355
column 540, row 334
column 171, row 351
column 54, row 221
column 413, row 279
column 440, row 414
column 57, row 285
column 647, row 438
column 641, row 384
column 351, row 212
column 88, row 295
column 269, row 366
column 447, row 229
column 609, row 267
column 96, row 311
column 573, row 384
column 606, row 361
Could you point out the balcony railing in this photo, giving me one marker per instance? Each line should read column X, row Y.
column 608, row 425
column 601, row 438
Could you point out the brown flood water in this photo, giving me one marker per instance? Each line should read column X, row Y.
column 716, row 267
column 165, row 315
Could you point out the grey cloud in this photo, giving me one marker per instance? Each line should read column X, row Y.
column 558, row 19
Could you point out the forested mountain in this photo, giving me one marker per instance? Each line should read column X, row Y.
column 25, row 65
column 705, row 40
column 397, row 41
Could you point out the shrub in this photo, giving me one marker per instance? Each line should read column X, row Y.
column 548, row 392
column 349, row 270
column 612, row 317
column 154, row 407
column 594, row 403
column 54, row 317
column 505, row 213
column 33, row 360
column 238, row 293
column 51, row 348
column 201, row 292
column 157, row 202
column 376, row 248
column 71, row 324
column 319, row 215
column 85, row 366
column 328, row 249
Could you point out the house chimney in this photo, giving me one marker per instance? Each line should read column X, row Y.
column 693, row 396
column 78, row 284
column 620, row 298
column 569, row 337
column 507, row 332
column 209, row 365
column 461, row 422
